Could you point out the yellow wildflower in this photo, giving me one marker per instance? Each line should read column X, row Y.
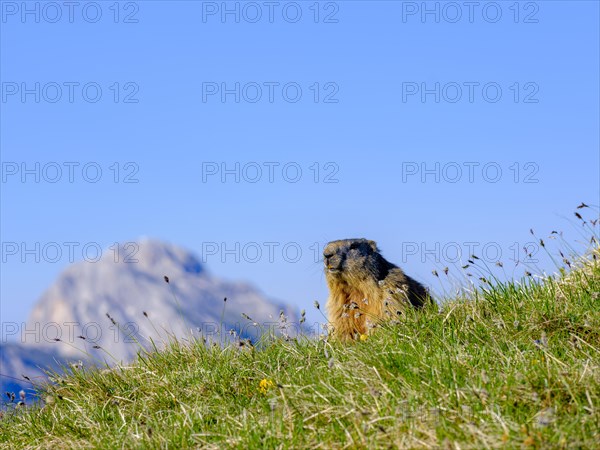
column 265, row 385
column 363, row 337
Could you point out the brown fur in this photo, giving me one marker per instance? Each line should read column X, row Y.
column 364, row 288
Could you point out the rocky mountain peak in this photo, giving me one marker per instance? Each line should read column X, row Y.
column 107, row 310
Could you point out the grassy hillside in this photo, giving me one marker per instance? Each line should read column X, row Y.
column 517, row 365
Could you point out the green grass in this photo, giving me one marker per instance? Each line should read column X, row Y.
column 515, row 366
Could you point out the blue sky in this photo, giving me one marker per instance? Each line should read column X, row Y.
column 511, row 94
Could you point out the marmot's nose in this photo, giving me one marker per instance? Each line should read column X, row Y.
column 326, row 257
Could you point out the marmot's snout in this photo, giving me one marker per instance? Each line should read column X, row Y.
column 332, row 260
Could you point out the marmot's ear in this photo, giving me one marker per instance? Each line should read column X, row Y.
column 373, row 245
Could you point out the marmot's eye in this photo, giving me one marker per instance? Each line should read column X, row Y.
column 354, row 245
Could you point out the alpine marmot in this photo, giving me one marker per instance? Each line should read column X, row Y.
column 364, row 288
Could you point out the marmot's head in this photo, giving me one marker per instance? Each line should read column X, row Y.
column 349, row 257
